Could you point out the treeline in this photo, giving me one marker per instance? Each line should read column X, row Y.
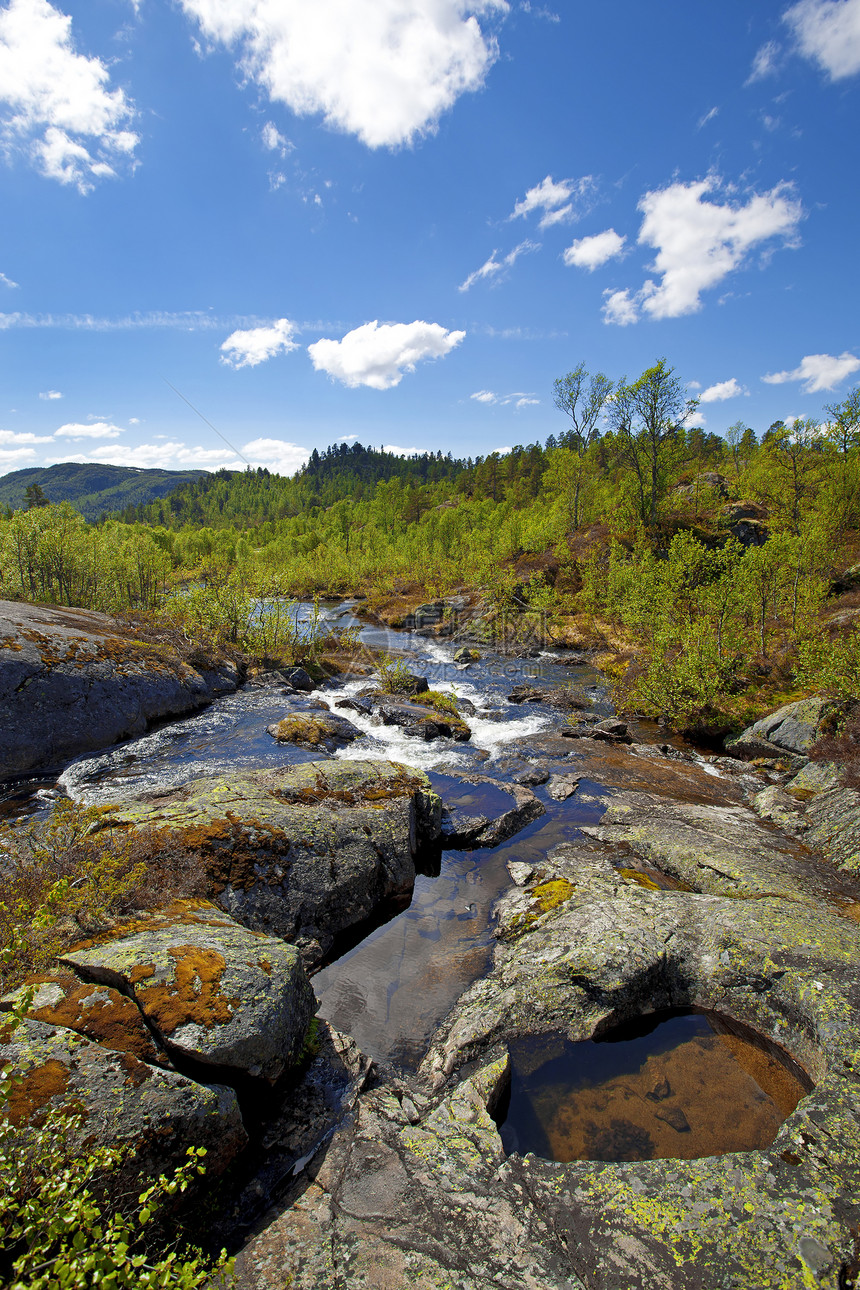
column 711, row 555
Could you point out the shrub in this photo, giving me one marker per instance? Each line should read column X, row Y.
column 72, row 874
column 441, row 702
column 57, row 1232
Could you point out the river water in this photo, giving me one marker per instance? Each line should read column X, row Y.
column 391, row 989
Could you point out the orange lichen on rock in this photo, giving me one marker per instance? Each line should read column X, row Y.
column 193, row 996
column 29, row 1094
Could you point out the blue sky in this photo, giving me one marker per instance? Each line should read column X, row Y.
column 400, row 220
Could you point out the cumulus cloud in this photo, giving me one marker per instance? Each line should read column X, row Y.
column 50, row 395
column 253, row 346
column 277, row 455
column 620, row 308
column 591, row 252
column 378, row 356
column 519, row 399
column 384, row 70
column 23, row 436
column 559, row 200
column 58, row 107
column 764, row 63
column 170, row 455
column 695, row 420
column 699, row 243
column 89, row 430
column 8, row 456
column 828, row 33
column 722, row 390
column 817, row 371
column 492, row 268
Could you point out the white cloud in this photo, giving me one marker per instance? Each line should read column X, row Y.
column 347, row 438
column 274, row 140
column 276, row 455
column 254, row 346
column 378, row 356
column 59, row 108
column 23, row 436
column 519, row 399
column 709, row 116
column 7, row 282
column 184, row 320
column 699, row 243
column 10, row 455
column 817, row 371
column 764, row 63
column 619, row 308
column 492, row 267
column 170, row 456
column 591, row 252
column 722, row 390
column 50, row 394
column 96, row 430
column 384, row 70
column 402, row 452
column 555, row 199
column 695, row 420
column 828, row 32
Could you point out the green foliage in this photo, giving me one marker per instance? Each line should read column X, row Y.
column 395, row 676
column 57, row 1232
column 831, row 666
column 438, row 700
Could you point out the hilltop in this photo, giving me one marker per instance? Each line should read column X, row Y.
column 93, row 489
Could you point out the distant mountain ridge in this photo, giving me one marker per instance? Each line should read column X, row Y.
column 94, row 490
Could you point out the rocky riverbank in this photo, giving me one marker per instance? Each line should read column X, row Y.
column 72, row 681
column 667, row 902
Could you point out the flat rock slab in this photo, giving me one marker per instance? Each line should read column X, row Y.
column 211, row 990
column 721, row 850
column 302, row 852
column 72, row 681
column 157, row 1113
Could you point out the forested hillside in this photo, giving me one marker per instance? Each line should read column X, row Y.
column 703, row 566
column 94, row 490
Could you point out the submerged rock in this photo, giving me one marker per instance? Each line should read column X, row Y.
column 210, row 990
column 302, row 852
column 72, row 681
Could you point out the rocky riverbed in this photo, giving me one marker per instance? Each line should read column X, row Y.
column 466, row 905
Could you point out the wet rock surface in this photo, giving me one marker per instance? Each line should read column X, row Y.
column 72, row 681
column 305, row 852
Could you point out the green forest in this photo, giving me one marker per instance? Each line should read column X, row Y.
column 712, row 574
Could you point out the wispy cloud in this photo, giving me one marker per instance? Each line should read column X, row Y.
column 191, row 320
column 50, row 395
column 560, row 200
column 765, row 62
column 709, row 116
column 7, row 282
column 519, row 399
column 493, row 268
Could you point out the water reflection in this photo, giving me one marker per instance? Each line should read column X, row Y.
column 680, row 1085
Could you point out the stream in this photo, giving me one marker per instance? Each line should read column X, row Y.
column 391, row 989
